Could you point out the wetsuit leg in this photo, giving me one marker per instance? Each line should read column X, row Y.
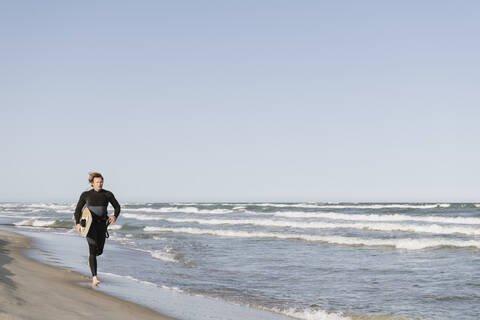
column 92, row 255
column 96, row 242
column 102, row 229
column 92, row 237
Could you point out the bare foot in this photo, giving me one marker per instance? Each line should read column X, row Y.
column 95, row 282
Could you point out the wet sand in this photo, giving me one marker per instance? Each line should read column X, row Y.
column 33, row 290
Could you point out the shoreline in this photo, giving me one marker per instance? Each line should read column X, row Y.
column 34, row 290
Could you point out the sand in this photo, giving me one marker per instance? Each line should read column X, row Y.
column 33, row 290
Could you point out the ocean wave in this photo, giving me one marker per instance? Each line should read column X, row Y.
column 147, row 283
column 310, row 314
column 182, row 210
column 19, row 215
column 355, row 206
column 386, row 227
column 160, row 238
column 166, row 254
column 196, row 207
column 64, row 211
column 48, row 206
column 37, row 208
column 123, row 239
column 144, row 217
column 194, row 204
column 404, row 243
column 128, row 227
column 45, row 223
column 286, row 205
column 42, row 207
column 35, row 223
column 9, row 204
column 378, row 217
column 150, row 284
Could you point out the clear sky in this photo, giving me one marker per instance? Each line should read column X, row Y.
column 240, row 100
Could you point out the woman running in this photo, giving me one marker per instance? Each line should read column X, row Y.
column 96, row 200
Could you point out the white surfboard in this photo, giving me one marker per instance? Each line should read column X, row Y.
column 87, row 216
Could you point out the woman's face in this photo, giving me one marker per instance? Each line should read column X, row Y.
column 97, row 183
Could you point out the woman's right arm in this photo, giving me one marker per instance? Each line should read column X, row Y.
column 78, row 210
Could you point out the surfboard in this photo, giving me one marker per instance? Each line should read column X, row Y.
column 87, row 216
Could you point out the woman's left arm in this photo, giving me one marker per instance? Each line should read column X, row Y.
column 116, row 206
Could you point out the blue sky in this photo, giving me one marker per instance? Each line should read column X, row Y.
column 240, row 100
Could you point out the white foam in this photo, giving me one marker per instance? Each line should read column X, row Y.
column 35, row 223
column 114, row 226
column 378, row 217
column 406, row 243
column 287, row 205
column 151, row 284
column 182, row 210
column 160, row 238
column 356, row 206
column 310, row 314
column 51, row 206
column 123, row 239
column 193, row 204
column 19, row 215
column 144, row 217
column 387, row 227
column 166, row 254
column 137, row 216
column 9, row 205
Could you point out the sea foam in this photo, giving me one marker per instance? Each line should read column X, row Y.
column 404, row 243
column 310, row 314
column 386, row 227
column 378, row 217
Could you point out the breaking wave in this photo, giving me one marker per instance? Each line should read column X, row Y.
column 404, row 243
column 378, row 217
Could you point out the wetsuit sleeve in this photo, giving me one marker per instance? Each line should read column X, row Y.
column 78, row 210
column 115, row 204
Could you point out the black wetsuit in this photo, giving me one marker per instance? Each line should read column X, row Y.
column 97, row 203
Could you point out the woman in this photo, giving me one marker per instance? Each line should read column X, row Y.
column 96, row 200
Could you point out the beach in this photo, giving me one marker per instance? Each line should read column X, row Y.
column 33, row 290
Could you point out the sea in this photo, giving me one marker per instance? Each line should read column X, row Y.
column 307, row 260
